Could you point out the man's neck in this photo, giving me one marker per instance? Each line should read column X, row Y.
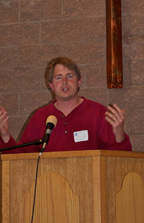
column 67, row 106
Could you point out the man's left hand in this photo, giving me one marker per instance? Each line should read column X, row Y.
column 115, row 116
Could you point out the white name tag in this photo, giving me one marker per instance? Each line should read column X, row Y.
column 81, row 136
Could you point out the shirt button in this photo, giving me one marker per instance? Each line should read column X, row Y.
column 62, row 116
column 65, row 123
column 65, row 131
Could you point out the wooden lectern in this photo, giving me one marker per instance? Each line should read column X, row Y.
column 73, row 187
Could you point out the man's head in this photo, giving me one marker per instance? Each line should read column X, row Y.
column 66, row 62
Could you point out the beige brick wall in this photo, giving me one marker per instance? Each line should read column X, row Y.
column 33, row 32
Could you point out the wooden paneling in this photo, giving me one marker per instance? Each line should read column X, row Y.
column 79, row 187
column 130, row 200
column 114, row 44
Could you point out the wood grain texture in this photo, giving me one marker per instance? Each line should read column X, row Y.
column 56, row 197
column 130, row 200
column 96, row 190
column 87, row 153
column 89, row 179
column 76, row 171
column 4, row 192
column 114, row 44
column 99, row 189
column 117, row 169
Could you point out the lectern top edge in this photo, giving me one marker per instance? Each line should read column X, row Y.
column 85, row 153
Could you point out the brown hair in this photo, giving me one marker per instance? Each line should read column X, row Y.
column 66, row 62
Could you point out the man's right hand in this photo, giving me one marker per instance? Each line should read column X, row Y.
column 4, row 129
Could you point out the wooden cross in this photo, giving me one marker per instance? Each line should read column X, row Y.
column 114, row 44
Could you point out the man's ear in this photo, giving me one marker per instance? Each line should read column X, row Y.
column 79, row 82
column 51, row 86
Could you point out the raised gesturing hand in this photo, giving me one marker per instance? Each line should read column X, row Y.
column 115, row 116
column 4, row 129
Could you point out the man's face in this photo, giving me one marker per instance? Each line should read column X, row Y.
column 65, row 83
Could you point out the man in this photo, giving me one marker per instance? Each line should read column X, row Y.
column 81, row 124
